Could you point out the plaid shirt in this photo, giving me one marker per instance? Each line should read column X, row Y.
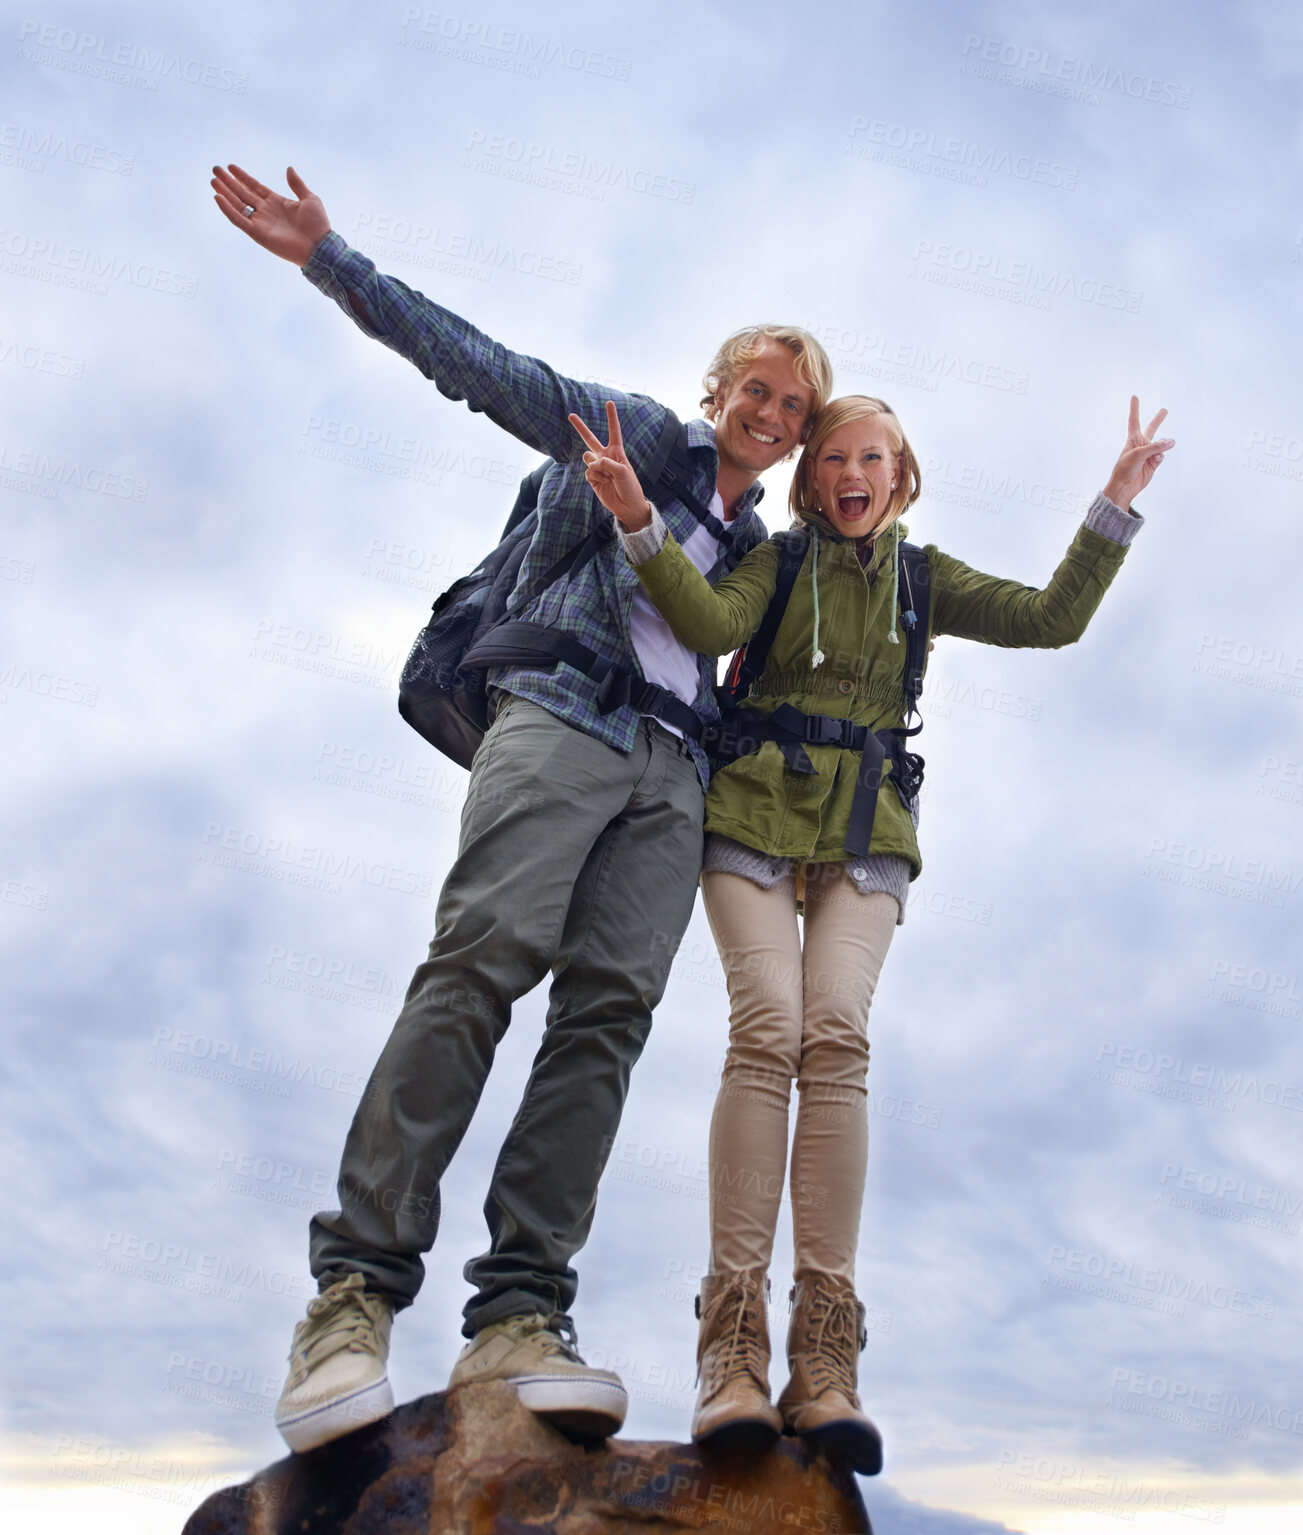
column 531, row 401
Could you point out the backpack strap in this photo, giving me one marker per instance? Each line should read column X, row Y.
column 750, row 660
column 672, row 463
column 917, row 581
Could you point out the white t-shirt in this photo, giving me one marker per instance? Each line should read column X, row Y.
column 662, row 658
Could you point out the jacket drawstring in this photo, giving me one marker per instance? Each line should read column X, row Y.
column 817, row 658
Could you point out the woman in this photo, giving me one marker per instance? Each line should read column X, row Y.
column 791, row 821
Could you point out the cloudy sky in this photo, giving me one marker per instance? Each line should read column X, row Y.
column 225, row 512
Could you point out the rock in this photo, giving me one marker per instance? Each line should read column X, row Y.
column 475, row 1462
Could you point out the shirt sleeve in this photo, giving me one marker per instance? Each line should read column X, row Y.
column 1108, row 518
column 521, row 394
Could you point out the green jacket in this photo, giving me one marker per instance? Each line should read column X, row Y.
column 758, row 800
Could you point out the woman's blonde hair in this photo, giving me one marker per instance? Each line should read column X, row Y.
column 812, row 364
column 839, row 413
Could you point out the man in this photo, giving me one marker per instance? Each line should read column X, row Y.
column 579, row 851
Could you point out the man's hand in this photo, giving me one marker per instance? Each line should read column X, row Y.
column 1138, row 460
column 288, row 227
column 611, row 474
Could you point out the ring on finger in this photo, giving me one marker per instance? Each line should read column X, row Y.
column 248, row 210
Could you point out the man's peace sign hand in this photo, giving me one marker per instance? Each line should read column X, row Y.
column 290, row 227
column 611, row 474
column 1138, row 460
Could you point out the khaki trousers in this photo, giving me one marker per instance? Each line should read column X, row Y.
column 797, row 1011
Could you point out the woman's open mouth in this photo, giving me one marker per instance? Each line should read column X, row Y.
column 854, row 505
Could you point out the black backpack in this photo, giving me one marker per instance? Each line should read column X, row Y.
column 442, row 692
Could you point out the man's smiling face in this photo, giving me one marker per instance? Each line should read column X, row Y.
column 763, row 415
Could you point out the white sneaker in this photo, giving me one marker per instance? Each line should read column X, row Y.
column 549, row 1376
column 337, row 1380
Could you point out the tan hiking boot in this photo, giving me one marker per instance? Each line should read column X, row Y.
column 733, row 1409
column 530, row 1353
column 337, row 1380
column 819, row 1402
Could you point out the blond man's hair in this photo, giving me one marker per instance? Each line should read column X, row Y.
column 812, row 365
column 856, row 407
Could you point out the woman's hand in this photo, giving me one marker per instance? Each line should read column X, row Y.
column 611, row 474
column 290, row 227
column 1138, row 460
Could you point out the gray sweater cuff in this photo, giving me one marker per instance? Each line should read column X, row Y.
column 646, row 543
column 1111, row 521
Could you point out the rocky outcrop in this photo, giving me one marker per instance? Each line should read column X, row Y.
column 475, row 1462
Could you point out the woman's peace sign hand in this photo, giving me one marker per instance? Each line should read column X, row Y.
column 1138, row 460
column 611, row 474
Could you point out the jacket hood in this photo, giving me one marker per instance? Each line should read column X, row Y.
column 818, row 523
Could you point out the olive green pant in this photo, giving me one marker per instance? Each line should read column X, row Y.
column 574, row 858
column 798, row 1009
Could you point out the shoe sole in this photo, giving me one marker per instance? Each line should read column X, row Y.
column 849, row 1442
column 739, row 1434
column 332, row 1420
column 583, row 1409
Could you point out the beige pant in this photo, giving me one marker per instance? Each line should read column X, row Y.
column 795, row 1011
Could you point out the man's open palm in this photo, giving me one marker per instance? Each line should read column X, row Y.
column 289, row 227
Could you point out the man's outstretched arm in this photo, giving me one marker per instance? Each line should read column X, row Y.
column 521, row 394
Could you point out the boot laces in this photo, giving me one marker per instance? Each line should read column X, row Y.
column 737, row 1348
column 835, row 1338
